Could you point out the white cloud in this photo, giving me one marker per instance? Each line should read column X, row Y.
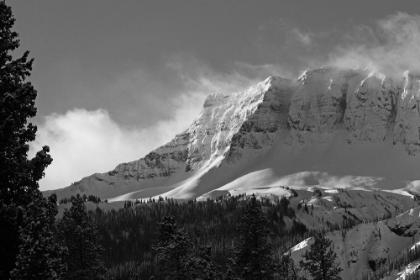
column 200, row 78
column 263, row 71
column 85, row 142
column 391, row 46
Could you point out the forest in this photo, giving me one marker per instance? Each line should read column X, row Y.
column 128, row 234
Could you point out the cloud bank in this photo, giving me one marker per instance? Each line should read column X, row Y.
column 84, row 142
column 391, row 46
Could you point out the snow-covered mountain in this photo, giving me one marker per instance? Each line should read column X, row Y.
column 330, row 128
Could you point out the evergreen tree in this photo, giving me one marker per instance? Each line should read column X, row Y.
column 78, row 233
column 203, row 266
column 252, row 254
column 19, row 176
column 21, row 230
column 37, row 241
column 321, row 260
column 174, row 251
column 286, row 268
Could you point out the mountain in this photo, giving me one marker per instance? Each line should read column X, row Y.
column 330, row 128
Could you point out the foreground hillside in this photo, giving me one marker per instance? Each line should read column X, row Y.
column 330, row 128
column 380, row 250
column 370, row 229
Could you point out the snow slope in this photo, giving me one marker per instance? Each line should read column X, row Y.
column 356, row 247
column 331, row 128
column 374, row 242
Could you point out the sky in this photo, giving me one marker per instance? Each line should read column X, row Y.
column 117, row 79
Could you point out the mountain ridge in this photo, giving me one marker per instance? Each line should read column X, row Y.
column 284, row 132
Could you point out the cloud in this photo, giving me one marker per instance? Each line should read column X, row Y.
column 263, row 71
column 199, row 78
column 305, row 38
column 84, row 142
column 391, row 45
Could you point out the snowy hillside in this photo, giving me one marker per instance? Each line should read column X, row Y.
column 330, row 128
column 370, row 245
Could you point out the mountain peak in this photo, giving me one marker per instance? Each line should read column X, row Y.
column 331, row 124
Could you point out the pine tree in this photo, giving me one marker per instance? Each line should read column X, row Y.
column 78, row 233
column 321, row 260
column 252, row 254
column 19, row 176
column 286, row 268
column 37, row 241
column 203, row 266
column 174, row 251
column 17, row 103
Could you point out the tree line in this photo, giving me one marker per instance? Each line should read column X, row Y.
column 251, row 256
column 90, row 197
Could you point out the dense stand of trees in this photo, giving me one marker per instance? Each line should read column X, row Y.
column 92, row 198
column 78, row 234
column 128, row 235
column 251, row 257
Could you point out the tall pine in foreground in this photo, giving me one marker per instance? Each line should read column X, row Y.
column 79, row 234
column 26, row 217
column 37, row 241
column 321, row 261
column 252, row 254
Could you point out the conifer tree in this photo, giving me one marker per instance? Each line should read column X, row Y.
column 174, row 250
column 321, row 260
column 37, row 241
column 252, row 254
column 20, row 198
column 286, row 268
column 203, row 266
column 78, row 233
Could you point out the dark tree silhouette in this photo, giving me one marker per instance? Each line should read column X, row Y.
column 286, row 268
column 252, row 254
column 20, row 199
column 39, row 256
column 78, row 233
column 174, row 251
column 203, row 266
column 321, row 260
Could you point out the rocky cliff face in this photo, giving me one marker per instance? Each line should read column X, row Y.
column 369, row 106
column 365, row 107
column 227, row 123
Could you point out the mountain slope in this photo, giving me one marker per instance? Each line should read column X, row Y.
column 371, row 245
column 330, row 128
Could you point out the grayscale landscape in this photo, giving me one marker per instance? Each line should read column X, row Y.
column 210, row 140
